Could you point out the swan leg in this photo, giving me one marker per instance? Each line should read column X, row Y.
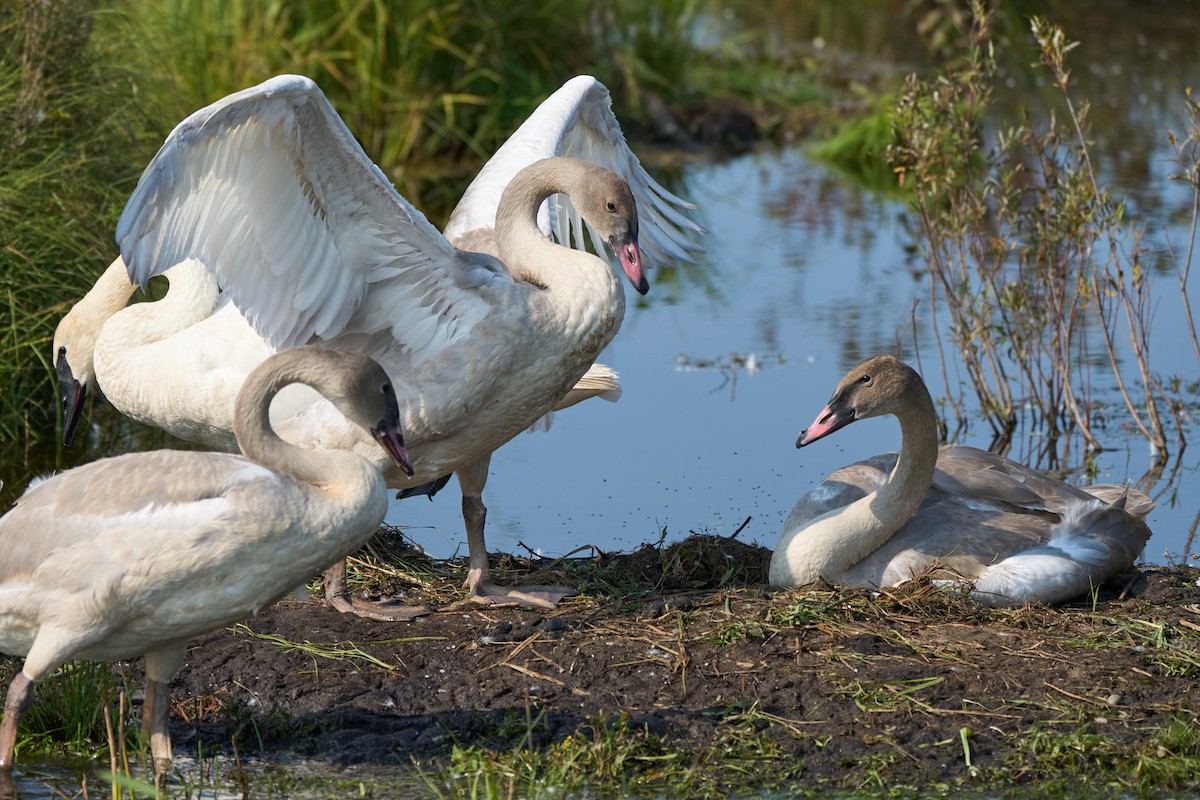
column 20, row 696
column 161, row 666
column 337, row 594
column 472, row 480
column 51, row 648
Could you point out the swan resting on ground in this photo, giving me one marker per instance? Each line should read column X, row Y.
column 1016, row 534
column 312, row 243
column 136, row 554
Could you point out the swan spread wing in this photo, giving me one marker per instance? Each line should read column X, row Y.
column 578, row 121
column 270, row 190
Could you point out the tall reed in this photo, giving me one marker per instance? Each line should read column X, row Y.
column 71, row 141
column 1032, row 258
column 427, row 79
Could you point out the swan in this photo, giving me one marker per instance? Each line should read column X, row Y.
column 136, row 554
column 576, row 120
column 177, row 362
column 269, row 190
column 1018, row 535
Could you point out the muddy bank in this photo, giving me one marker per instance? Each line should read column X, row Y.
column 830, row 687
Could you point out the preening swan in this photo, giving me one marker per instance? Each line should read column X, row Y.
column 177, row 362
column 311, row 242
column 136, row 554
column 1019, row 536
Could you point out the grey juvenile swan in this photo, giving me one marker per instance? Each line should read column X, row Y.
column 268, row 189
column 1018, row 535
column 136, row 554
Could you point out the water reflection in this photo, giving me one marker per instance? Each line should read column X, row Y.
column 217, row 778
column 813, row 275
column 688, row 448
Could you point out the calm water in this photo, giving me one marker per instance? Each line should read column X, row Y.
column 722, row 365
column 806, row 275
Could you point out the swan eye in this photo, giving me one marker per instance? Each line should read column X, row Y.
column 612, row 207
column 865, row 380
column 62, row 351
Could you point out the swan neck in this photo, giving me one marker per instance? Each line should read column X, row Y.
column 913, row 473
column 516, row 214
column 259, row 442
column 191, row 297
column 80, row 330
column 111, row 291
column 528, row 253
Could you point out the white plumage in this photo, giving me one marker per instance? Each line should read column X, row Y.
column 307, row 237
column 136, row 554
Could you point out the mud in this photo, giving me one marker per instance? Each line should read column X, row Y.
column 841, row 681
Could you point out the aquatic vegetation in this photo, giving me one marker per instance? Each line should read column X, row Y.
column 70, row 715
column 736, row 692
column 857, row 147
column 430, row 79
column 1043, row 278
column 69, row 133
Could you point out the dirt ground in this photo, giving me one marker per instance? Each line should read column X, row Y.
column 841, row 687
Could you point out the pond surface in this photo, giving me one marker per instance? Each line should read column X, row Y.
column 805, row 275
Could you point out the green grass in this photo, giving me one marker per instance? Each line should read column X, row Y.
column 858, row 149
column 614, row 758
column 339, row 651
column 429, row 78
column 69, row 128
column 68, row 714
column 1174, row 649
column 1036, row 735
column 604, row 757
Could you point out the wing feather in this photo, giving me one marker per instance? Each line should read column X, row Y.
column 307, row 236
column 163, row 490
column 578, row 121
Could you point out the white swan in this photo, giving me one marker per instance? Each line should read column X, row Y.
column 177, row 362
column 1018, row 535
column 269, row 189
column 136, row 554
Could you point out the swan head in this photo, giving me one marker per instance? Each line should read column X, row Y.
column 877, row 386
column 387, row 432
column 76, row 338
column 74, row 347
column 609, row 207
column 362, row 390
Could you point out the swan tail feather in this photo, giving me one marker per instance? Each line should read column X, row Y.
column 599, row 381
column 1094, row 542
